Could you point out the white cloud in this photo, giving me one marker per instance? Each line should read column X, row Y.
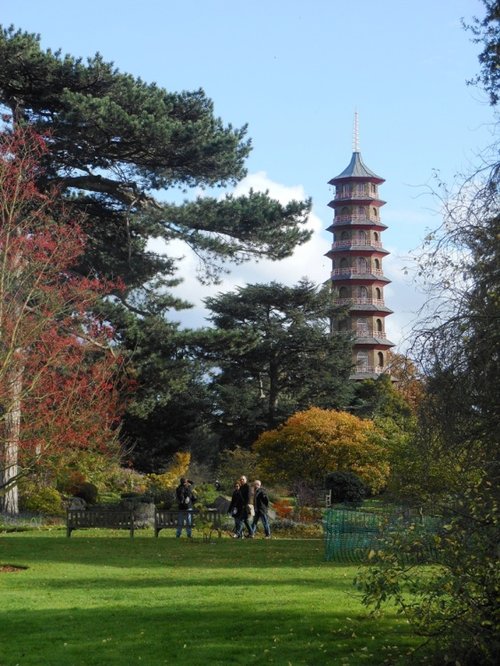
column 308, row 261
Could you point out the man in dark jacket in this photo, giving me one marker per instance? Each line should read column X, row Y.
column 245, row 496
column 185, row 500
column 261, row 504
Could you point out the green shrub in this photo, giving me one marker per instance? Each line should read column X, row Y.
column 45, row 500
column 345, row 487
column 206, row 494
column 87, row 491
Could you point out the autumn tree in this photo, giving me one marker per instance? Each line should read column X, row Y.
column 317, row 441
column 57, row 369
column 410, row 382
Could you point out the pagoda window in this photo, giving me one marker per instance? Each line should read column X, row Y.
column 343, row 293
column 362, row 292
column 345, row 235
column 362, row 237
column 343, row 263
column 361, row 211
column 362, row 360
column 344, row 210
column 380, row 327
column 378, row 293
column 362, row 265
column 377, row 264
column 373, row 188
column 375, row 235
column 380, row 358
column 374, row 211
column 362, row 326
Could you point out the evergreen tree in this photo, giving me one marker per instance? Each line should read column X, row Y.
column 116, row 141
column 273, row 354
column 121, row 150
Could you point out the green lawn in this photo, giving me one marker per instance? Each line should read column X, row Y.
column 102, row 598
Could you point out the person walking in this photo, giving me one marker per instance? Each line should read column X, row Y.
column 246, row 511
column 236, row 508
column 185, row 500
column 261, row 504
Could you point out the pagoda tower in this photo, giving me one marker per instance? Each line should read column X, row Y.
column 357, row 276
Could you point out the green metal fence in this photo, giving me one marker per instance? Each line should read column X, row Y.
column 351, row 533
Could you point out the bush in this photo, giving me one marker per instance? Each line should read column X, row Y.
column 345, row 487
column 206, row 494
column 87, row 491
column 46, row 500
column 283, row 508
column 293, row 529
column 164, row 499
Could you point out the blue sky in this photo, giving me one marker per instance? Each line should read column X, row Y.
column 296, row 71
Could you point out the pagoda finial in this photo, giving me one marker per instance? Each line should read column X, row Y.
column 355, row 134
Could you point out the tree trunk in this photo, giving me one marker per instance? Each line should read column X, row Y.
column 273, row 394
column 12, row 432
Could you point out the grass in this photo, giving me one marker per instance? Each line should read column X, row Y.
column 101, row 598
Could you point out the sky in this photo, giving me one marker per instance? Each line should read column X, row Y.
column 296, row 71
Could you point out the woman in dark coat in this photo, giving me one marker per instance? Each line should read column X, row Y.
column 236, row 508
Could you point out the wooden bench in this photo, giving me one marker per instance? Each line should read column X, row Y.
column 210, row 520
column 123, row 519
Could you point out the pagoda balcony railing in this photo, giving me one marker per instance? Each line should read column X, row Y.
column 359, row 301
column 354, row 217
column 378, row 369
column 355, row 193
column 365, row 332
column 356, row 241
column 352, row 270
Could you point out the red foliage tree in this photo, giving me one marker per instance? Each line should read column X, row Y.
column 58, row 369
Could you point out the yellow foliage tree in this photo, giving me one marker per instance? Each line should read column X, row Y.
column 318, row 441
column 170, row 478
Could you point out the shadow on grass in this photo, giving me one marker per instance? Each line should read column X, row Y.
column 242, row 634
column 169, row 581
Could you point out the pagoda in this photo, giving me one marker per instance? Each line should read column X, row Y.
column 357, row 277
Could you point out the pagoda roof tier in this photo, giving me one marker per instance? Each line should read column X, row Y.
column 340, row 222
column 368, row 201
column 356, row 169
column 369, row 341
column 340, row 247
column 350, row 275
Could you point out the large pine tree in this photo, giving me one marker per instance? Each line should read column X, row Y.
column 121, row 150
column 117, row 142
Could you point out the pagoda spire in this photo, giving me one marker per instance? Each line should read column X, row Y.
column 355, row 134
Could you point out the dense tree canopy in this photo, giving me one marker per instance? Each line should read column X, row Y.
column 116, row 141
column 132, row 155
